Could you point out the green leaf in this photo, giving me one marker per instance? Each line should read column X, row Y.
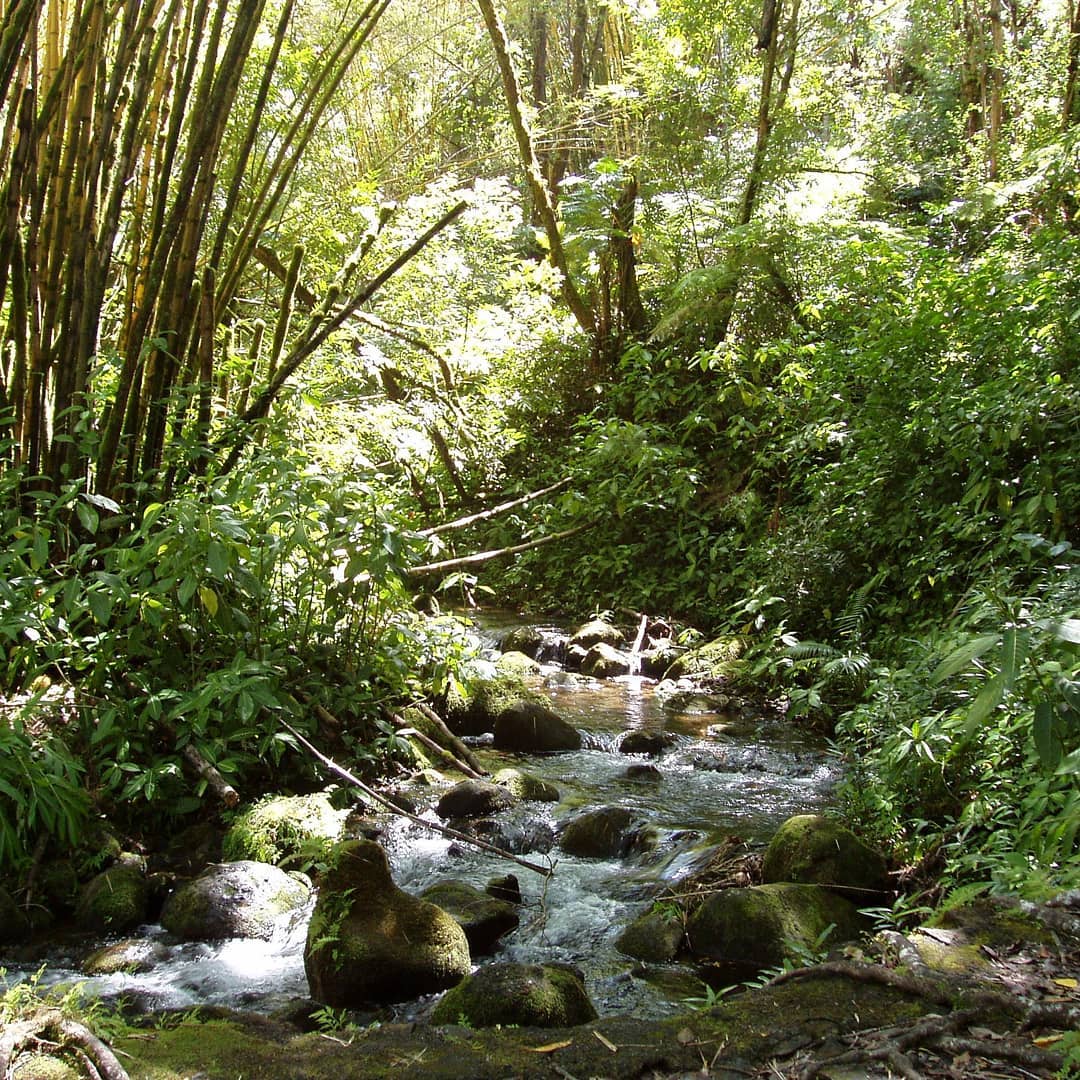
column 1063, row 629
column 1070, row 764
column 39, row 556
column 89, row 517
column 187, row 589
column 1046, row 741
column 962, row 656
column 1015, row 647
column 987, row 701
column 101, row 605
column 217, row 556
column 209, row 599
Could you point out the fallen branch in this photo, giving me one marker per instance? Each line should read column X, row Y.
column 455, row 744
column 444, row 830
column 486, row 556
column 502, row 508
column 214, row 780
column 408, row 731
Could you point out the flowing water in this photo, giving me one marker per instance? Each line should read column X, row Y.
column 724, row 775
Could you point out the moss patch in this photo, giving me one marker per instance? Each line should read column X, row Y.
column 474, row 712
column 282, row 828
column 718, row 659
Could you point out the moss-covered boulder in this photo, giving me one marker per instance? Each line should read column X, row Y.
column 370, row 942
column 117, row 899
column 129, row 956
column 655, row 937
column 284, row 827
column 14, row 925
column 816, row 850
column 474, row 799
column 523, row 639
column 522, row 995
column 756, row 927
column 717, row 659
column 525, row 786
column 37, row 1065
column 608, row 832
column 595, row 632
column 531, row 728
column 483, row 917
column 474, row 711
column 657, row 659
column 243, row 899
column 604, row 661
column 516, row 663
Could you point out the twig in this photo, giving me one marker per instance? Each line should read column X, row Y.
column 406, row 730
column 453, row 834
column 455, row 744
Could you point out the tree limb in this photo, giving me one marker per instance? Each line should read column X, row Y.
column 460, row 523
column 487, row 556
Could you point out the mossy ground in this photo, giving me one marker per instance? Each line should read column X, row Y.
column 751, row 1029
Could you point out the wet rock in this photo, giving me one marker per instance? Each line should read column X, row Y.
column 14, row 925
column 653, row 743
column 604, row 661
column 682, row 696
column 528, row 727
column 606, row 833
column 506, row 888
column 475, row 711
column 534, row 836
column 575, row 656
column 483, row 917
column 281, row 826
column 523, row 639
column 815, row 850
column 473, row 799
column 643, row 772
column 732, row 759
column 516, row 663
column 130, row 956
column 525, row 786
column 244, row 899
column 525, row 995
column 41, row 1066
column 117, row 899
column 655, row 937
column 369, row 941
column 595, row 632
column 756, row 927
column 657, row 660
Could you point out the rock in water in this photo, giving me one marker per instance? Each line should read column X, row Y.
column 531, row 728
column 370, row 942
column 815, row 850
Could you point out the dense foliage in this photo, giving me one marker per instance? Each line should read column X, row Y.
column 790, row 298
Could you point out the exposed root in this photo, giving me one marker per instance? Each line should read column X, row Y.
column 49, row 1030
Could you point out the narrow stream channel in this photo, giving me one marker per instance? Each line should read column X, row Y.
column 724, row 775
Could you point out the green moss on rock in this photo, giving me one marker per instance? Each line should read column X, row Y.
column 474, row 711
column 815, row 850
column 526, row 995
column 284, row 827
column 116, row 899
column 716, row 660
column 655, row 937
column 526, row 786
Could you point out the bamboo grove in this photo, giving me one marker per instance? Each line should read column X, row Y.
column 139, row 184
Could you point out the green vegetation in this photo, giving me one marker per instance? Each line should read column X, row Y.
column 784, row 315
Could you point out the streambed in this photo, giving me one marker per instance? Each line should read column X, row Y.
column 726, row 773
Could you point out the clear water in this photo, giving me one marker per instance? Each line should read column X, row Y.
column 761, row 772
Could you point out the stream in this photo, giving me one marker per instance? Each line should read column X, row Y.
column 725, row 774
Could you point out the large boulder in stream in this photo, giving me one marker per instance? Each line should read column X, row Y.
column 816, row 850
column 716, row 660
column 243, row 899
column 604, row 661
column 474, row 799
column 609, row 832
column 655, row 937
column 532, row 728
column 370, row 942
column 474, row 711
column 519, row 995
column 753, row 928
column 596, row 631
column 483, row 917
column 525, row 786
column 117, row 899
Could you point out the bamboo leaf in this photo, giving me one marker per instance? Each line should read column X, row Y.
column 1015, row 647
column 987, row 701
column 1042, row 729
column 962, row 656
